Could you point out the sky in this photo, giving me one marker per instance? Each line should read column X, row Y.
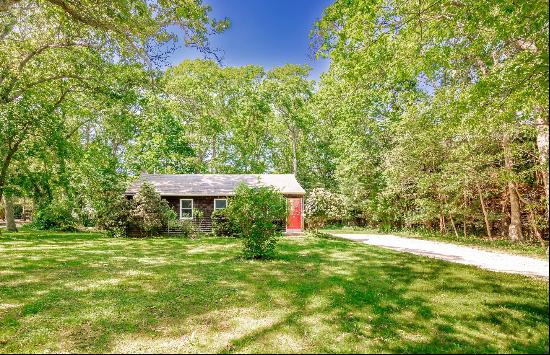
column 264, row 32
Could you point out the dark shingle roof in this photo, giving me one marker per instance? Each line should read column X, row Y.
column 214, row 184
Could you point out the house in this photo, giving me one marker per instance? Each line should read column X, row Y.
column 187, row 193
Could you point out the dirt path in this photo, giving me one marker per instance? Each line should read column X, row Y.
column 490, row 260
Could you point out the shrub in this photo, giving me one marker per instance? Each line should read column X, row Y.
column 222, row 225
column 185, row 228
column 150, row 213
column 114, row 216
column 57, row 215
column 255, row 211
column 147, row 214
column 322, row 206
column 87, row 216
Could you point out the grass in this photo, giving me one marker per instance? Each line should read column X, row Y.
column 533, row 249
column 83, row 292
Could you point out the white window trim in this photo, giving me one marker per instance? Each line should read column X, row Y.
column 220, row 199
column 192, row 207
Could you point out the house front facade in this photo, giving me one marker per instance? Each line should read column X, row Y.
column 198, row 195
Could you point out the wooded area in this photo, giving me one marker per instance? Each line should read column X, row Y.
column 433, row 114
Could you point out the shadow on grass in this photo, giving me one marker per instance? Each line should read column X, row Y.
column 84, row 293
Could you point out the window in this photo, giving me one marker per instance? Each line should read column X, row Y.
column 220, row 203
column 186, row 208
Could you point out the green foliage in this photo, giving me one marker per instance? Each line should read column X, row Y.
column 430, row 116
column 150, row 213
column 72, row 81
column 57, row 215
column 162, row 144
column 115, row 216
column 224, row 113
column 223, row 225
column 236, row 119
column 448, row 119
column 257, row 212
column 289, row 92
column 322, row 206
column 184, row 228
column 146, row 214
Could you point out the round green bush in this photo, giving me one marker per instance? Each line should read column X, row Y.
column 54, row 216
column 257, row 212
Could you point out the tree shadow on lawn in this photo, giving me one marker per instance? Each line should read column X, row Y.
column 175, row 295
column 402, row 303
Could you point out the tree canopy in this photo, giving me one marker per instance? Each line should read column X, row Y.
column 72, row 77
column 451, row 102
column 433, row 114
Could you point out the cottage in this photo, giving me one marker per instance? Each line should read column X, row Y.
column 187, row 193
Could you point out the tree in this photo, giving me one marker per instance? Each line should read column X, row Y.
column 322, row 206
column 9, row 214
column 51, row 51
column 436, row 84
column 224, row 112
column 160, row 141
column 289, row 90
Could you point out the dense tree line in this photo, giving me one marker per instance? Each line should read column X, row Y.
column 432, row 115
column 439, row 113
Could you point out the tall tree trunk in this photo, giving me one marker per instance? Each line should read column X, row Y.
column 10, row 218
column 294, row 152
column 4, row 173
column 453, row 224
column 5, row 165
column 214, row 152
column 504, row 211
column 466, row 215
column 541, row 121
column 442, row 224
column 485, row 213
column 514, row 229
column 536, row 231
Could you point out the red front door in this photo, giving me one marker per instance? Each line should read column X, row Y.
column 294, row 221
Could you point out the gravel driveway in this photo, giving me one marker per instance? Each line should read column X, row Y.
column 495, row 261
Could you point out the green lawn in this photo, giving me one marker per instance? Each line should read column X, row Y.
column 530, row 248
column 79, row 292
